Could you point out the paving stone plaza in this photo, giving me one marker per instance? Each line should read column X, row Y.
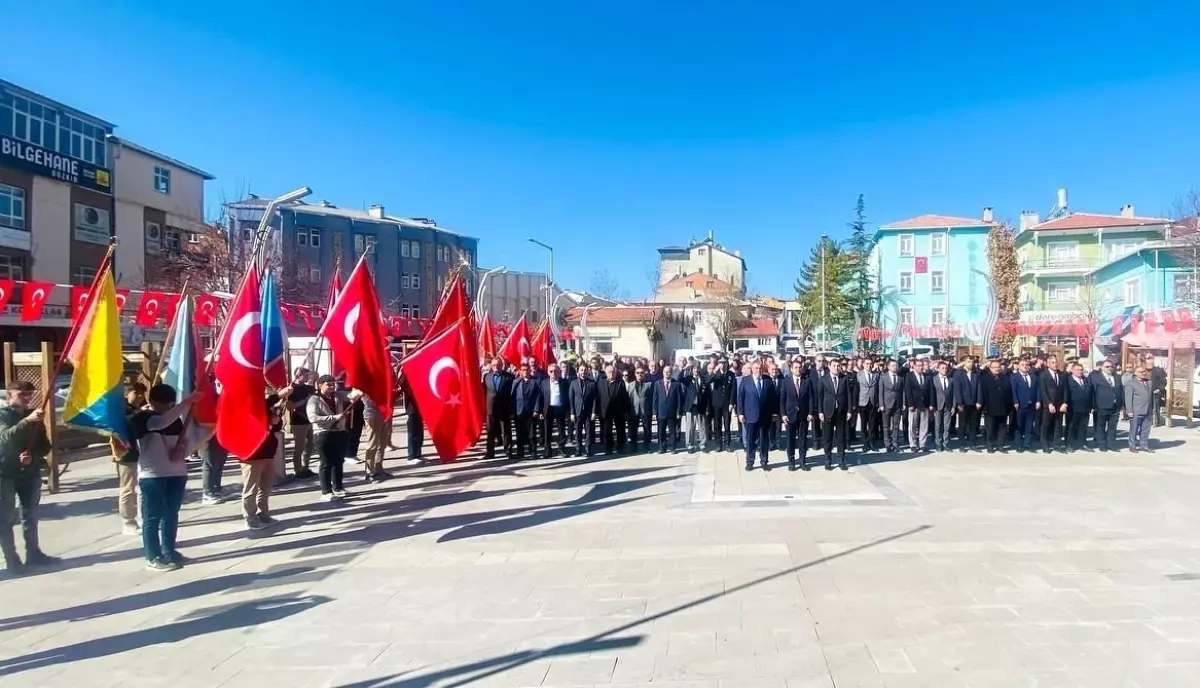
column 681, row 571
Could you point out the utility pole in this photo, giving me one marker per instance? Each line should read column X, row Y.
column 824, row 325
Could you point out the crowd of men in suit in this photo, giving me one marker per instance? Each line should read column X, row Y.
column 816, row 403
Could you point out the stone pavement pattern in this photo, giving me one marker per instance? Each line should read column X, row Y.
column 678, row 571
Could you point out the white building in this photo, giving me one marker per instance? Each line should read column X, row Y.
column 712, row 304
column 649, row 332
column 508, row 294
column 159, row 205
column 706, row 257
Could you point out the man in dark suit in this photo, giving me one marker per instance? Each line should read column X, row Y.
column 555, row 395
column 527, row 405
column 756, row 397
column 995, row 394
column 720, row 398
column 1079, row 403
column 943, row 406
column 890, row 400
column 918, row 397
column 581, row 400
column 613, row 407
column 668, row 393
column 1108, row 398
column 835, row 402
column 498, row 384
column 641, row 407
column 866, row 392
column 795, row 408
column 1052, row 393
column 968, row 404
column 1025, row 401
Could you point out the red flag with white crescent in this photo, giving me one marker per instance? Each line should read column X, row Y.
column 517, row 347
column 443, row 374
column 150, row 308
column 207, row 308
column 33, row 299
column 357, row 337
column 6, row 292
column 242, row 419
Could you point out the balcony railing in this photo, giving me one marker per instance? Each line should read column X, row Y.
column 1057, row 264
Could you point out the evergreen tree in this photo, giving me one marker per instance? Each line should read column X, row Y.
column 860, row 244
column 831, row 266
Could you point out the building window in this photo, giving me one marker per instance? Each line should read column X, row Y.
column 1185, row 288
column 171, row 239
column 1133, row 291
column 763, row 341
column 907, row 244
column 404, row 248
column 1062, row 252
column 470, row 260
column 247, row 234
column 937, row 316
column 416, row 281
column 441, row 284
column 302, row 237
column 162, row 180
column 416, row 249
column 907, row 315
column 44, row 126
column 193, row 238
column 937, row 244
column 441, row 254
column 308, row 237
column 405, row 312
column 12, row 207
column 416, row 311
column 1062, row 291
column 1116, row 250
column 906, row 283
column 12, row 267
column 405, row 283
column 937, row 282
column 364, row 243
column 82, row 275
column 314, row 273
column 604, row 347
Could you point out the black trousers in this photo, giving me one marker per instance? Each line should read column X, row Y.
column 638, row 426
column 995, row 430
column 968, row 425
column 668, row 433
column 1077, row 423
column 555, row 423
column 331, row 447
column 834, row 428
column 797, row 439
column 1052, row 429
column 583, row 435
column 758, row 438
column 525, row 436
column 1105, row 432
column 499, row 428
column 721, row 427
column 866, row 425
column 612, row 433
column 415, row 429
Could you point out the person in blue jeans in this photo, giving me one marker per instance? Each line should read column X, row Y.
column 162, row 475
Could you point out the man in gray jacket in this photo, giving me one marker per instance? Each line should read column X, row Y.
column 1139, row 408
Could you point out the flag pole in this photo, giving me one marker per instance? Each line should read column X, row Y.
column 333, row 294
column 162, row 358
column 321, row 331
column 105, row 265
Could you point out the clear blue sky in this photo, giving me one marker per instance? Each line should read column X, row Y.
column 608, row 129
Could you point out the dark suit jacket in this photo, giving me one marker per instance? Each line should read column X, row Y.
column 641, row 401
column 832, row 403
column 966, row 391
column 943, row 399
column 1079, row 397
column 889, row 397
column 995, row 393
column 582, row 397
column 918, row 391
column 564, row 388
column 612, row 399
column 721, row 390
column 753, row 405
column 793, row 402
column 668, row 400
column 527, row 397
column 1024, row 395
column 498, row 397
column 1106, row 397
column 695, row 394
column 1050, row 392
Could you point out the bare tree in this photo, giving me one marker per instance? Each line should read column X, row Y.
column 725, row 314
column 1184, row 237
column 607, row 287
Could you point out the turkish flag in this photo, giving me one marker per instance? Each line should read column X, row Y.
column 79, row 300
column 6, row 292
column 395, row 326
column 122, row 297
column 150, row 308
column 33, row 299
column 242, row 419
column 516, row 348
column 172, row 306
column 288, row 316
column 305, row 314
column 543, row 346
column 358, row 339
column 451, row 309
column 335, row 288
column 207, row 307
column 444, row 378
column 921, row 265
column 487, row 339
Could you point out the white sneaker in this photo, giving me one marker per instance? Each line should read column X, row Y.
column 414, row 462
column 340, row 494
column 326, row 496
column 210, row 499
column 131, row 528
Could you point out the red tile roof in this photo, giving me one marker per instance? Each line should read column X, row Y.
column 699, row 281
column 614, row 315
column 1096, row 221
column 933, row 220
column 759, row 327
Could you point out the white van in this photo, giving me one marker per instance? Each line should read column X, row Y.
column 914, row 351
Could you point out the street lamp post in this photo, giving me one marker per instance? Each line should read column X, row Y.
column 824, row 323
column 550, row 285
column 258, row 248
column 479, row 308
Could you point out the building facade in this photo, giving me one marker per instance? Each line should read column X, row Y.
column 56, row 204
column 1156, row 276
column 410, row 258
column 714, row 306
column 913, row 260
column 158, row 210
column 649, row 332
column 705, row 256
column 507, row 295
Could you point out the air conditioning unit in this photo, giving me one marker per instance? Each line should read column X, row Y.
column 153, row 236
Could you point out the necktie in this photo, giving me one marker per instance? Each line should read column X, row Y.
column 1108, row 379
column 1055, row 376
column 796, row 382
column 1026, row 377
column 893, row 379
column 943, row 384
column 835, row 381
column 758, row 385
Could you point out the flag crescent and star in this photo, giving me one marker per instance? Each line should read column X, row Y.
column 240, row 329
column 443, row 363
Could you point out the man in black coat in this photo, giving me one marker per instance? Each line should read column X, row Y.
column 667, row 395
column 757, row 405
column 555, row 396
column 1052, row 393
column 995, row 393
column 641, row 407
column 835, row 399
column 1108, row 398
column 720, row 399
column 796, row 406
column 497, row 384
column 1079, row 405
column 968, row 404
column 613, row 408
column 581, row 401
column 527, row 408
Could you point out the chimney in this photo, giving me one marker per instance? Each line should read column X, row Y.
column 1127, row 211
column 987, row 214
column 326, row 204
column 710, row 235
column 1028, row 219
column 1062, row 199
column 376, row 211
